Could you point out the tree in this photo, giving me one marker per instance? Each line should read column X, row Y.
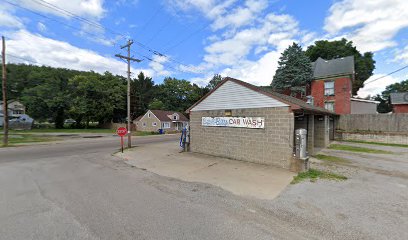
column 216, row 79
column 178, row 95
column 384, row 106
column 156, row 105
column 294, row 70
column 395, row 87
column 142, row 93
column 95, row 97
column 50, row 98
column 364, row 63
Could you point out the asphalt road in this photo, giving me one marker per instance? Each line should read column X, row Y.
column 78, row 190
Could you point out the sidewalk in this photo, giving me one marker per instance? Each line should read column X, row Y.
column 238, row 177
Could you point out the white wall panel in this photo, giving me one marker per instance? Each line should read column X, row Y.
column 234, row 96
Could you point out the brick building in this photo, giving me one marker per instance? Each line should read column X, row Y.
column 332, row 83
column 240, row 121
column 399, row 102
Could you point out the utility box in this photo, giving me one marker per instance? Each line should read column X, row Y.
column 301, row 143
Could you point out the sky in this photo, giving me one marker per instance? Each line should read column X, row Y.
column 195, row 39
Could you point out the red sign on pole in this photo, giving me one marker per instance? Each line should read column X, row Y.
column 122, row 131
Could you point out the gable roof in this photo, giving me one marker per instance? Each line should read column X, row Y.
column 334, row 67
column 163, row 115
column 399, row 98
column 294, row 103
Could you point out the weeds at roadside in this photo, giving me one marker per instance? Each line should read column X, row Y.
column 378, row 143
column 332, row 159
column 357, row 149
column 313, row 175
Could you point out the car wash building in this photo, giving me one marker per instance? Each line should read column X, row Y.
column 240, row 121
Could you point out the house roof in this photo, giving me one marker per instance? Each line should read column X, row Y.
column 334, row 67
column 364, row 100
column 163, row 115
column 294, row 103
column 399, row 98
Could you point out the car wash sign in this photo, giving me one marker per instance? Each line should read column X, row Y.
column 238, row 122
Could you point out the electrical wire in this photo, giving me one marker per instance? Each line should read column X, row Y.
column 400, row 69
column 70, row 14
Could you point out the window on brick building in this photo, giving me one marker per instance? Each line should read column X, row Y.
column 329, row 106
column 328, row 88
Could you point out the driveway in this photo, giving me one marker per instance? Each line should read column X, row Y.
column 371, row 204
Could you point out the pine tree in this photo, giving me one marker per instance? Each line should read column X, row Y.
column 294, row 71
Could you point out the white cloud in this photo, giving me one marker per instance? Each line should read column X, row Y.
column 376, row 87
column 50, row 52
column 402, row 55
column 223, row 13
column 276, row 31
column 7, row 19
column 371, row 25
column 157, row 65
column 240, row 16
column 41, row 27
column 84, row 8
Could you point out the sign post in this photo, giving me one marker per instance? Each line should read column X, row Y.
column 122, row 131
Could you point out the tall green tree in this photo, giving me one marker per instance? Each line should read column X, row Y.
column 95, row 97
column 178, row 95
column 395, row 87
column 364, row 63
column 215, row 80
column 142, row 93
column 294, row 70
column 156, row 105
column 50, row 98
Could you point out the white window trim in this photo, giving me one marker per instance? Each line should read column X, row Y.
column 154, row 124
column 166, row 125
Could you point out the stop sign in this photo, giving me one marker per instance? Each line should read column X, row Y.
column 122, row 131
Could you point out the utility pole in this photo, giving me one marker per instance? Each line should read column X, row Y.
column 128, row 58
column 5, row 112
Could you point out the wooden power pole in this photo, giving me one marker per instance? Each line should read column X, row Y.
column 128, row 58
column 4, row 88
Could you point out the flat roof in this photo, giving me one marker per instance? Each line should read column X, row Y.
column 364, row 100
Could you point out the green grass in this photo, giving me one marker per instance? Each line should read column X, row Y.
column 65, row 130
column 357, row 149
column 140, row 133
column 313, row 175
column 332, row 159
column 378, row 143
column 27, row 138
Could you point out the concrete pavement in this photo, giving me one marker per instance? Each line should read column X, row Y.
column 77, row 190
column 238, row 177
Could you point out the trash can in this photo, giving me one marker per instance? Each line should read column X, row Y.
column 161, row 131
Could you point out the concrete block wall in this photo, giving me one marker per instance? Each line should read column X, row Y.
column 321, row 131
column 395, row 138
column 272, row 145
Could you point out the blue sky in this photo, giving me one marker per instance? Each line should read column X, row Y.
column 194, row 39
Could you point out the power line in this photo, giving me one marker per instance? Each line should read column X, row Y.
column 70, row 14
column 400, row 69
column 25, row 59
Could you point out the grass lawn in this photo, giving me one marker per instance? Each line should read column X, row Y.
column 313, row 175
column 28, row 138
column 65, row 130
column 332, row 159
column 378, row 143
column 357, row 149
